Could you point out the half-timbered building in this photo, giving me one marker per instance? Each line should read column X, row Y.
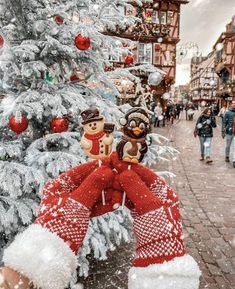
column 204, row 80
column 157, row 36
column 225, row 63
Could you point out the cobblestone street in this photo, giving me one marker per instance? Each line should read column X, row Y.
column 207, row 195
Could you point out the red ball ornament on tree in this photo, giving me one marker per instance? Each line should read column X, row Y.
column 129, row 60
column 59, row 19
column 74, row 77
column 82, row 43
column 18, row 126
column 59, row 124
column 1, row 41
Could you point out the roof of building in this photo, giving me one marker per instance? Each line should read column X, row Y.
column 230, row 32
column 204, row 61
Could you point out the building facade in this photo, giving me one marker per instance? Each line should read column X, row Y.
column 181, row 94
column 204, row 80
column 225, row 64
column 157, row 36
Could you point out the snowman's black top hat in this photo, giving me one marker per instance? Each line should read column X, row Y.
column 90, row 115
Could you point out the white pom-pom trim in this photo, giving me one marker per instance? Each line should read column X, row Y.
column 123, row 121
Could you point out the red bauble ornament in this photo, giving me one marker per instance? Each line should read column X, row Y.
column 82, row 43
column 59, row 124
column 129, row 60
column 74, row 77
column 59, row 19
column 1, row 41
column 18, row 126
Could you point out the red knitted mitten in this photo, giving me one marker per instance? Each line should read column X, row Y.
column 160, row 189
column 70, row 180
column 138, row 193
column 158, row 234
column 148, row 176
column 113, row 199
column 119, row 165
column 68, row 215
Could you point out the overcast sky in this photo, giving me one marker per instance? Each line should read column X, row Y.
column 202, row 21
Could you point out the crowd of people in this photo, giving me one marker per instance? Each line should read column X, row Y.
column 205, row 124
column 165, row 115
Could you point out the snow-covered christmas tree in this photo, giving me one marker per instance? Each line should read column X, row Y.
column 53, row 60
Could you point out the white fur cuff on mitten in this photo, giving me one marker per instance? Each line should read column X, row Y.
column 41, row 256
column 179, row 273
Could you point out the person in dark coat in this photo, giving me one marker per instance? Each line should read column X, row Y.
column 204, row 129
column 178, row 110
column 228, row 130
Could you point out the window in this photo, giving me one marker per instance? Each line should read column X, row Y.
column 157, row 54
column 155, row 17
column 145, row 53
column 168, row 58
column 114, row 55
column 162, row 16
column 148, row 13
column 170, row 17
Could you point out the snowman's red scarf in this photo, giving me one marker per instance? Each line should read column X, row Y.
column 95, row 150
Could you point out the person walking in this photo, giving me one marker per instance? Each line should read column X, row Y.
column 222, row 111
column 204, row 129
column 228, row 130
column 189, row 110
column 157, row 114
column 178, row 110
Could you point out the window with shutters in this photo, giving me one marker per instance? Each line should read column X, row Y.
column 145, row 53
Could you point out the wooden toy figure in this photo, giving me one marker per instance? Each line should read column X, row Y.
column 135, row 126
column 97, row 138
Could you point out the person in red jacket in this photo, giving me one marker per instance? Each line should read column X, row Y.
column 44, row 255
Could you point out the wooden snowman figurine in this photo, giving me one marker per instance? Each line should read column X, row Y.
column 135, row 127
column 97, row 138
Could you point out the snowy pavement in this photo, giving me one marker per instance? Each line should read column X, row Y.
column 207, row 195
